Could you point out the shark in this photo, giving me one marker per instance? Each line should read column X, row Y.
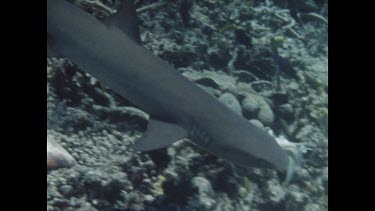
column 111, row 51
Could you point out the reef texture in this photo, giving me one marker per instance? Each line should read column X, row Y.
column 225, row 49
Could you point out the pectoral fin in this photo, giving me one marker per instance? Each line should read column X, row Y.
column 158, row 135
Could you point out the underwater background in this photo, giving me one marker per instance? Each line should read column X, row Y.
column 265, row 59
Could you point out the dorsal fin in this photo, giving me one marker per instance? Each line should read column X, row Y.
column 126, row 20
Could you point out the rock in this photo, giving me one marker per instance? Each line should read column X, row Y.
column 204, row 200
column 286, row 111
column 66, row 189
column 203, row 185
column 232, row 102
column 301, row 175
column 149, row 198
column 250, row 105
column 276, row 191
column 256, row 106
column 304, row 132
column 57, row 156
column 265, row 114
column 297, row 200
column 314, row 207
column 257, row 123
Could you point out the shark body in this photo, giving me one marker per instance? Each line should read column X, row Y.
column 178, row 108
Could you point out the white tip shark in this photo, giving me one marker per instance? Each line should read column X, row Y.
column 110, row 50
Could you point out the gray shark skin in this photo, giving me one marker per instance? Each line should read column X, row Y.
column 178, row 108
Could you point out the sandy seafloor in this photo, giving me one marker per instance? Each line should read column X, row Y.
column 97, row 126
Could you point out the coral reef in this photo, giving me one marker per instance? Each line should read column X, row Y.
column 226, row 52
